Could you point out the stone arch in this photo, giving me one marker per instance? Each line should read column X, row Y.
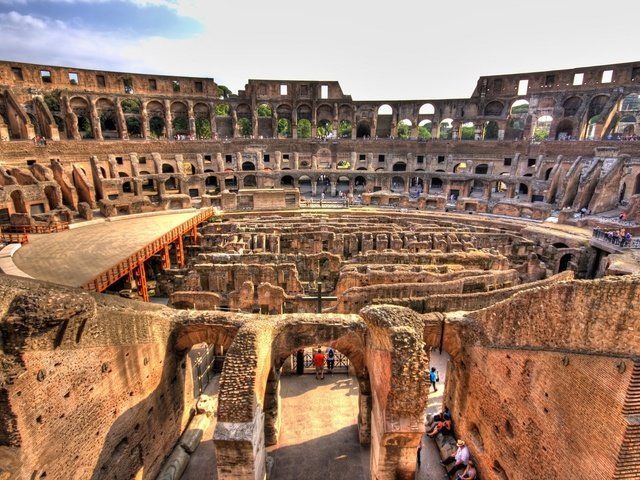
column 287, row 181
column 481, row 169
column 179, row 118
column 399, row 167
column 248, row 166
column 493, row 109
column 82, row 110
column 249, row 181
column 108, row 116
column 157, row 119
column 364, row 129
column 427, row 109
column 571, row 106
column 324, row 112
column 563, row 263
column 564, row 130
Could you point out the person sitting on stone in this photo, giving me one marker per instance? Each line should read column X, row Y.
column 460, row 458
column 469, row 473
column 443, row 426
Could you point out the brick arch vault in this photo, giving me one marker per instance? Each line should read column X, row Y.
column 386, row 348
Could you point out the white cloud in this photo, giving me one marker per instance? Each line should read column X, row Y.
column 14, row 19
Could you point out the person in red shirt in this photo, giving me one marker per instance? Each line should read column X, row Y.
column 318, row 362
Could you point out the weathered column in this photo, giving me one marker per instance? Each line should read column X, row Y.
column 122, row 121
column 192, row 120
column 168, row 119
column 144, row 117
column 398, row 394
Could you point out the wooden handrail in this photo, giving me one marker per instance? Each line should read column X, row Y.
column 51, row 228
column 102, row 281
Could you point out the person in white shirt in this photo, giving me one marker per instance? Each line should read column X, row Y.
column 460, row 458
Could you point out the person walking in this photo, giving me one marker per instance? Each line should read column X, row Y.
column 433, row 378
column 300, row 361
column 318, row 362
column 331, row 359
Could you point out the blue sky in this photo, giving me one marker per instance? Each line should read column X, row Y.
column 414, row 49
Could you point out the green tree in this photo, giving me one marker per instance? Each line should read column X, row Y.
column 524, row 108
column 344, row 129
column 284, row 127
column 133, row 126
column 468, row 133
column 446, row 131
column 304, row 128
column 404, row 130
column 180, row 124
column 244, row 127
column 264, row 110
column 203, row 128
column 541, row 134
column 223, row 92
column 130, row 105
column 424, row 133
column 222, row 109
column 491, row 131
column 53, row 103
column 324, row 128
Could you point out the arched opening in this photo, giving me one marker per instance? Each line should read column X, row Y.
column 427, row 109
column 397, row 184
column 460, row 167
column 493, row 109
column 424, row 129
column 399, row 167
column 446, row 129
column 571, row 106
column 468, row 131
column 560, row 245
column 543, row 127
column 623, row 189
column 167, row 168
column 322, row 185
column 84, row 127
column 250, row 181
column 304, row 185
column 360, row 184
column 211, row 182
column 481, row 169
column 519, row 107
column 343, row 184
column 563, row 264
column 127, row 187
column 385, row 110
column 436, row 184
column 231, row 183
column 170, row 184
column 564, row 130
column 404, row 129
column 344, row 129
column 284, row 128
column 134, row 127
column 156, row 127
column 490, row 130
column 244, row 127
column 636, row 189
column 286, row 181
column 247, row 166
column 523, row 189
column 304, row 128
column 324, row 129
column 385, row 117
column 364, row 129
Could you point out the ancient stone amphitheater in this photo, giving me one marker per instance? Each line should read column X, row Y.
column 494, row 228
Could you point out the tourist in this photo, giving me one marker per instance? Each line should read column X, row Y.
column 460, row 458
column 443, row 427
column 433, row 378
column 442, row 415
column 318, row 362
column 300, row 361
column 331, row 359
column 469, row 473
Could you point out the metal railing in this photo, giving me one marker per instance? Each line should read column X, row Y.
column 20, row 238
column 50, row 228
column 205, row 366
column 614, row 238
column 341, row 361
column 109, row 276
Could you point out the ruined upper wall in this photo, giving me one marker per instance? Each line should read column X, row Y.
column 47, row 77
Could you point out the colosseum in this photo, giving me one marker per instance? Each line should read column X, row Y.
column 497, row 233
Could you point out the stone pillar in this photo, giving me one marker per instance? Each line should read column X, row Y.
column 212, row 120
column 296, row 161
column 144, row 118
column 95, row 120
column 168, row 119
column 486, row 194
column 192, row 119
column 122, row 121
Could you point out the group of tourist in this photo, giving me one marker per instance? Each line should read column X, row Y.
column 619, row 237
column 319, row 360
column 459, row 463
